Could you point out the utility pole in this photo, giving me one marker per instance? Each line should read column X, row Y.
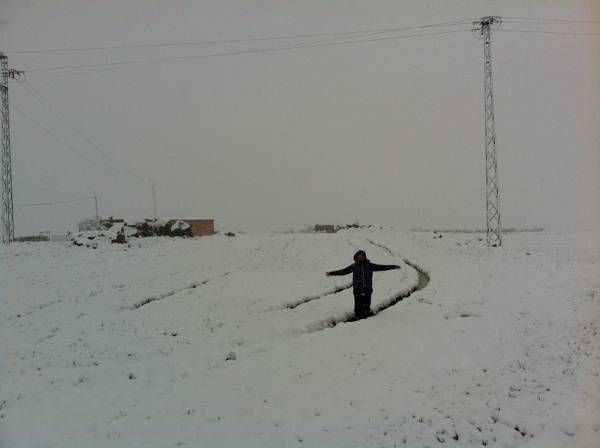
column 96, row 205
column 8, row 216
column 153, row 183
column 482, row 28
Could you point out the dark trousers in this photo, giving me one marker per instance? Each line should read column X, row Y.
column 362, row 303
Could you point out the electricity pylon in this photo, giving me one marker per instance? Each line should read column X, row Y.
column 492, row 194
column 8, row 216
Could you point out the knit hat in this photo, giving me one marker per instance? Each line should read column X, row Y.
column 360, row 252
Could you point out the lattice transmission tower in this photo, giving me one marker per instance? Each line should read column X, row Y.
column 8, row 219
column 483, row 29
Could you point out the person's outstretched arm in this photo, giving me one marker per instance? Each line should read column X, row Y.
column 344, row 271
column 384, row 267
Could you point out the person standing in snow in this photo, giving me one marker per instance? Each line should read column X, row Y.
column 362, row 281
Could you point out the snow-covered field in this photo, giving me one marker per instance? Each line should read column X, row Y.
column 225, row 342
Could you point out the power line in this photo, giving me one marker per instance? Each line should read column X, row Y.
column 357, row 36
column 245, row 40
column 568, row 33
column 97, row 68
column 168, row 58
column 360, row 38
column 95, row 71
column 547, row 20
column 57, row 138
column 56, row 202
column 76, row 73
column 249, row 51
column 66, row 144
column 42, row 99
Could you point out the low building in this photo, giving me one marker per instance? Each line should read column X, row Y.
column 325, row 228
column 32, row 238
column 200, row 227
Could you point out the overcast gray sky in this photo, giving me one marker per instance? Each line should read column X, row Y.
column 384, row 132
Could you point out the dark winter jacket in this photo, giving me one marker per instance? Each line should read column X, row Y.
column 362, row 273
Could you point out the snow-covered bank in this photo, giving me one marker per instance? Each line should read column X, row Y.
column 193, row 343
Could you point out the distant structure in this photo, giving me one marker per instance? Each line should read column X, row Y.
column 153, row 227
column 324, row 228
column 200, row 227
column 97, row 224
column 492, row 195
column 33, row 238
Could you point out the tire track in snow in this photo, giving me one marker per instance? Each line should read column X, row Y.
column 335, row 290
column 192, row 285
column 285, row 244
column 151, row 299
column 381, row 246
column 424, row 276
column 349, row 316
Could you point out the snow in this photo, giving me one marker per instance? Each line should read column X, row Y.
column 224, row 342
column 180, row 225
column 130, row 231
column 157, row 223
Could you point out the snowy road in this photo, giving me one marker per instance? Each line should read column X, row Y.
column 213, row 342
